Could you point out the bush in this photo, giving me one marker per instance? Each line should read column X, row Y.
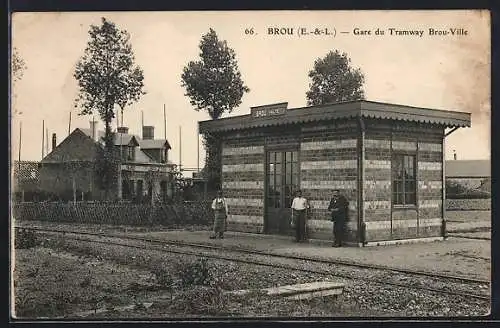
column 25, row 239
column 196, row 272
column 456, row 190
column 164, row 277
column 202, row 290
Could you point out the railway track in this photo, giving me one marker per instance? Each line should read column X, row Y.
column 385, row 276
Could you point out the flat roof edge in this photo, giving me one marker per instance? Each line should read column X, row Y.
column 345, row 110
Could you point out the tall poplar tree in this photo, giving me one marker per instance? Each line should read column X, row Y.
column 107, row 78
column 214, row 84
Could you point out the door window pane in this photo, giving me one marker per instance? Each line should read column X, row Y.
column 278, row 157
column 410, row 198
column 404, row 184
column 282, row 178
column 410, row 186
column 278, row 169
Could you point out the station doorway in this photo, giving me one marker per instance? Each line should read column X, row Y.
column 282, row 180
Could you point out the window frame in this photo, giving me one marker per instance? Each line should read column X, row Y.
column 398, row 158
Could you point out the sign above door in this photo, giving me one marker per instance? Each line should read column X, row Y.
column 269, row 110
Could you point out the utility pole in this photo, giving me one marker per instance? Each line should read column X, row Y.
column 120, row 189
column 69, row 125
column 43, row 138
column 47, row 141
column 180, row 148
column 164, row 122
column 94, row 129
column 198, row 149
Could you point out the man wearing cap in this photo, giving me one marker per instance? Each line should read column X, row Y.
column 219, row 206
column 339, row 207
column 299, row 208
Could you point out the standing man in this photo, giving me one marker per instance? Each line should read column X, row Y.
column 299, row 208
column 339, row 207
column 219, row 206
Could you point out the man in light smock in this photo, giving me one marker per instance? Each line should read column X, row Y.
column 299, row 210
column 219, row 206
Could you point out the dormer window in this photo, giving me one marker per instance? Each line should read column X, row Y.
column 131, row 153
column 163, row 155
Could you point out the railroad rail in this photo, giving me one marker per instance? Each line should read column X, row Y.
column 257, row 252
column 160, row 245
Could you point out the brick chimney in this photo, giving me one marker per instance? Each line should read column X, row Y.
column 122, row 129
column 93, row 130
column 148, row 132
column 54, row 141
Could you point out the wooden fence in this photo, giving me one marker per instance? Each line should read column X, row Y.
column 118, row 213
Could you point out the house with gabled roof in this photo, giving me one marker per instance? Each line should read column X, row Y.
column 145, row 171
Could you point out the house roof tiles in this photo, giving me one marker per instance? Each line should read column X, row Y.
column 153, row 143
column 123, row 139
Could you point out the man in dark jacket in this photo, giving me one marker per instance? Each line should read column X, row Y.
column 339, row 207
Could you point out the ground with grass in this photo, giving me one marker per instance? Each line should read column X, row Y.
column 58, row 277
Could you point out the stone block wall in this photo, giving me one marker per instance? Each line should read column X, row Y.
column 377, row 193
column 243, row 178
column 430, row 183
column 328, row 156
column 384, row 221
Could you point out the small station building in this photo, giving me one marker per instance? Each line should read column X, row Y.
column 386, row 159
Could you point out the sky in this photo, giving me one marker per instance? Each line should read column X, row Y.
column 450, row 72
